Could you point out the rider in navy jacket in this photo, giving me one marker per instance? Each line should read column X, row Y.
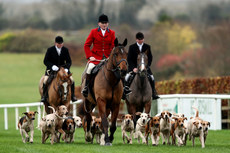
column 57, row 56
column 134, row 49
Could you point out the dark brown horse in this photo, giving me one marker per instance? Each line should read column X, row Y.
column 141, row 95
column 106, row 93
column 59, row 92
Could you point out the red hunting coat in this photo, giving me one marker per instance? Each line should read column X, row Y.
column 101, row 44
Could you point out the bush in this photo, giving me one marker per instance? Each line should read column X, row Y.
column 28, row 41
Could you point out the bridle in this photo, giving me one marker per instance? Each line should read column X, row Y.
column 142, row 71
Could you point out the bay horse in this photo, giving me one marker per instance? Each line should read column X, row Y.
column 141, row 95
column 59, row 90
column 106, row 93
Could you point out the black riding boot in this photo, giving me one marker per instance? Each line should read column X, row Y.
column 154, row 92
column 85, row 89
column 73, row 98
column 126, row 89
column 45, row 93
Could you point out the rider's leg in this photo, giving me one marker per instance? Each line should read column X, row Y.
column 73, row 98
column 45, row 92
column 126, row 84
column 154, row 92
column 88, row 76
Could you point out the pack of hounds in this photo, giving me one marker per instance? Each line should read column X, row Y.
column 164, row 124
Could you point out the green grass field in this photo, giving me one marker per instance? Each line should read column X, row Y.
column 20, row 75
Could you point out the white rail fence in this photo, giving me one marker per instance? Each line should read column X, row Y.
column 209, row 106
column 40, row 110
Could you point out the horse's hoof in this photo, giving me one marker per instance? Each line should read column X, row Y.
column 108, row 144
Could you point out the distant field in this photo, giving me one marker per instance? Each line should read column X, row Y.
column 20, row 75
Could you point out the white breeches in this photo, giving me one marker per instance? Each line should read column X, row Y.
column 128, row 75
column 90, row 67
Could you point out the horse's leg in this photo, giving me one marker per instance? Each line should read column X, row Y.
column 147, row 107
column 102, row 113
column 88, row 134
column 113, row 126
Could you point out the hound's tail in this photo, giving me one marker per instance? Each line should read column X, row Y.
column 197, row 112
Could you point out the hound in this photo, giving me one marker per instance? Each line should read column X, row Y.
column 153, row 128
column 165, row 126
column 140, row 126
column 26, row 125
column 195, row 129
column 178, row 130
column 96, row 129
column 69, row 129
column 47, row 126
column 206, row 125
column 127, row 125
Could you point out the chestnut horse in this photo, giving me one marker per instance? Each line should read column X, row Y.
column 59, row 90
column 141, row 95
column 106, row 93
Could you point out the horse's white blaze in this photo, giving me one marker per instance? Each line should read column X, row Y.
column 142, row 63
column 65, row 84
column 122, row 50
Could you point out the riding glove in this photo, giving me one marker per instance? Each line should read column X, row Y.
column 55, row 68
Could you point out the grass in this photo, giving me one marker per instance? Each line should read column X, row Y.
column 20, row 75
column 10, row 142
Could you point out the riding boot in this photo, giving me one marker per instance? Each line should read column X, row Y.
column 126, row 89
column 85, row 89
column 154, row 92
column 73, row 98
column 45, row 93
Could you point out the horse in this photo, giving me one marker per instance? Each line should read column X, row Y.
column 106, row 93
column 59, row 90
column 141, row 95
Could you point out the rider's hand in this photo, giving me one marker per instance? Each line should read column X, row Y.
column 135, row 70
column 55, row 68
column 92, row 58
column 66, row 70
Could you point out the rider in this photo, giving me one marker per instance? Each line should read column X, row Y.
column 132, row 61
column 56, row 56
column 102, row 39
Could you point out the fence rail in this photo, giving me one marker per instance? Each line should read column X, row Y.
column 162, row 98
column 40, row 110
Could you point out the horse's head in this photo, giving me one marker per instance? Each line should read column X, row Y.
column 142, row 63
column 119, row 58
column 64, row 82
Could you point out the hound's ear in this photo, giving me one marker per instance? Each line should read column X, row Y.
column 36, row 112
column 209, row 124
column 194, row 123
column 116, row 42
column 170, row 114
column 26, row 113
column 64, row 125
column 185, row 118
column 138, row 113
column 149, row 116
column 123, row 116
column 175, row 118
column 132, row 117
column 125, row 42
column 191, row 118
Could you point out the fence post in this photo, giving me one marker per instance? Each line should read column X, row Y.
column 16, row 117
column 27, row 109
column 39, row 115
column 74, row 109
column 6, row 118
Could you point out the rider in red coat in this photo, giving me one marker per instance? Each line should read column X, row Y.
column 102, row 39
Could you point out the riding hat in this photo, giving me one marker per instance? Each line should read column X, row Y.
column 103, row 18
column 59, row 39
column 140, row 36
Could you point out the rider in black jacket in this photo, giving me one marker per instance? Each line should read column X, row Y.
column 57, row 56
